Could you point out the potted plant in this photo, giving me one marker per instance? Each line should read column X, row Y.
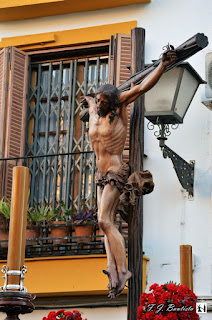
column 168, row 301
column 35, row 217
column 65, row 315
column 59, row 223
column 5, row 205
column 83, row 222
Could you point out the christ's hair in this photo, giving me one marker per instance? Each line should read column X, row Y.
column 112, row 94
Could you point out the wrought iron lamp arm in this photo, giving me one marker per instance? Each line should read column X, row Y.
column 183, row 169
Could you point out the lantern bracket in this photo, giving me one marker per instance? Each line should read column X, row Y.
column 183, row 169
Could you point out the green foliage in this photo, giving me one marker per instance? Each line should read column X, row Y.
column 60, row 214
column 36, row 215
column 5, row 205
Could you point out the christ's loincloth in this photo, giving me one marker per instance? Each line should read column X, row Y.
column 116, row 179
column 130, row 187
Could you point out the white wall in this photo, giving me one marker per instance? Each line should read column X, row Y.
column 170, row 219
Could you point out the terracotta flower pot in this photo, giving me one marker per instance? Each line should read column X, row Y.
column 101, row 233
column 83, row 232
column 32, row 232
column 4, row 235
column 59, row 229
column 100, row 238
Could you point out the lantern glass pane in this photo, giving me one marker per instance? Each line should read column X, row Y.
column 187, row 90
column 160, row 97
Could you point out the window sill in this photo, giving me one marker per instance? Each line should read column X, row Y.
column 72, row 275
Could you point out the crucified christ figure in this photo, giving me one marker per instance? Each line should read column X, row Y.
column 107, row 132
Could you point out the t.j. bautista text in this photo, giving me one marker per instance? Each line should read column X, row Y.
column 169, row 308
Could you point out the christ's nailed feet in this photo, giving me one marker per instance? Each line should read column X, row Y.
column 123, row 278
column 116, row 287
column 113, row 277
column 112, row 293
column 113, row 281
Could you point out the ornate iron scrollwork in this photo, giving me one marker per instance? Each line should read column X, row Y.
column 183, row 169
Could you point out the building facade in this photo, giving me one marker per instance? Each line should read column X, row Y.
column 61, row 51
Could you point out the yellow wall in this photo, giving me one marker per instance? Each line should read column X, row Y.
column 28, row 9
column 75, row 275
column 68, row 37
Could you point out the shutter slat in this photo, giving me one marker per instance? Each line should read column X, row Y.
column 16, row 116
column 18, row 74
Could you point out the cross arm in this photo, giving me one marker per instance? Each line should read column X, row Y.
column 183, row 52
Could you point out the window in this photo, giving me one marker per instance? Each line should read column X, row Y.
column 44, row 131
column 65, row 169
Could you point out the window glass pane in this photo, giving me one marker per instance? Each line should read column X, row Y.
column 65, row 170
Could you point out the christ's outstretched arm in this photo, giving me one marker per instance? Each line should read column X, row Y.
column 131, row 95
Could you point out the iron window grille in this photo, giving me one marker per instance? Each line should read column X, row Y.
column 58, row 151
column 53, row 127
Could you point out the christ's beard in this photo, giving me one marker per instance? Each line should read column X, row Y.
column 102, row 113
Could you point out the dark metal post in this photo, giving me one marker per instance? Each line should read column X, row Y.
column 135, row 236
column 14, row 303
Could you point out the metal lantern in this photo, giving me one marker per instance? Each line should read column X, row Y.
column 168, row 101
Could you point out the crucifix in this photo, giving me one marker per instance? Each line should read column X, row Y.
column 116, row 181
column 107, row 132
column 135, row 221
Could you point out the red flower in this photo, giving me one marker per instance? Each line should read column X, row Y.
column 68, row 313
column 158, row 291
column 60, row 314
column 151, row 299
column 171, row 287
column 65, row 315
column 183, row 289
column 52, row 315
column 166, row 295
column 143, row 298
column 162, row 302
column 159, row 317
column 172, row 316
column 153, row 286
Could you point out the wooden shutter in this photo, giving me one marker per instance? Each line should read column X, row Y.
column 3, row 90
column 119, row 59
column 16, row 113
